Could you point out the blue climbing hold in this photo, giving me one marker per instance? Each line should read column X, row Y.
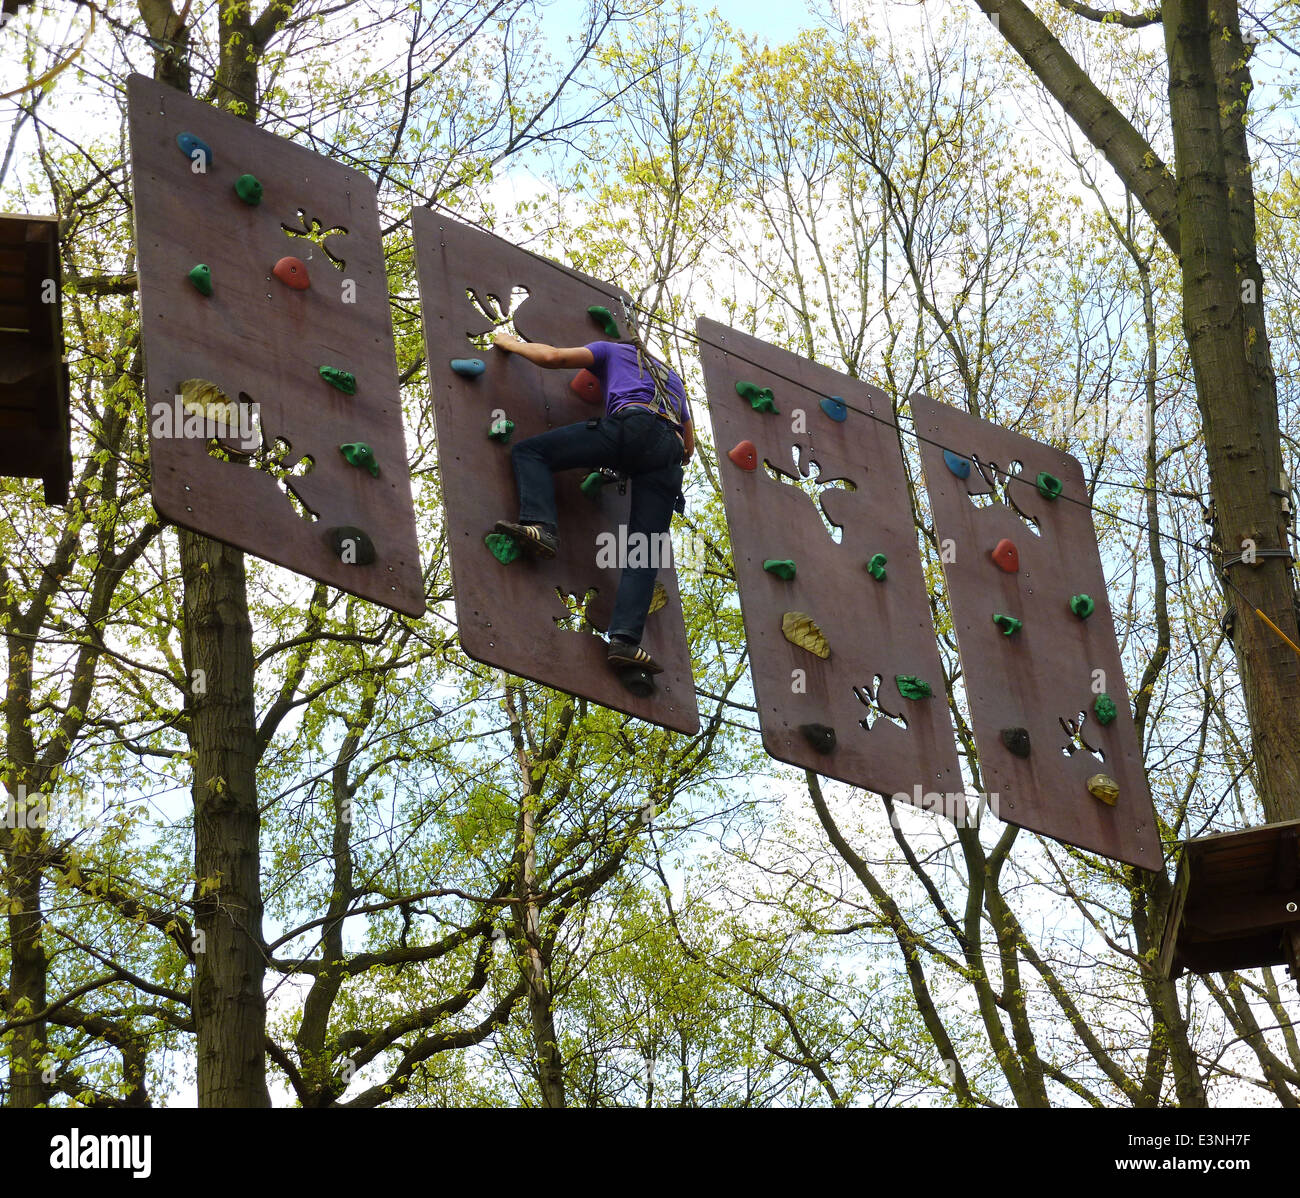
column 469, row 367
column 958, row 465
column 195, row 149
column 835, row 408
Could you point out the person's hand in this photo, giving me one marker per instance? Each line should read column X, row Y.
column 505, row 341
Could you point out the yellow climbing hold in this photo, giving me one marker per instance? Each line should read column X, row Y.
column 659, row 598
column 1105, row 788
column 799, row 629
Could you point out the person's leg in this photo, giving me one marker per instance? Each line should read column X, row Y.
column 654, row 491
column 535, row 460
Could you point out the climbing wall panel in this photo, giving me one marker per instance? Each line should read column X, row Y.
column 1048, row 699
column 266, row 352
column 531, row 617
column 821, row 484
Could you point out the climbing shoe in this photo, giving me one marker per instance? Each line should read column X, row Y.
column 532, row 538
column 625, row 656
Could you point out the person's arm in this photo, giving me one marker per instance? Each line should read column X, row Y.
column 688, row 440
column 547, row 356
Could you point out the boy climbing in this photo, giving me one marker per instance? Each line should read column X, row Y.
column 646, row 432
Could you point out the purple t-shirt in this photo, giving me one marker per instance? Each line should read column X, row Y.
column 625, row 381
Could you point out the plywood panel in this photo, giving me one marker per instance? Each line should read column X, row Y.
column 1044, row 677
column 513, row 616
column 876, row 630
column 257, row 337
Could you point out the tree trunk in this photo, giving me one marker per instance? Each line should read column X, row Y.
column 230, row 964
column 541, row 1009
column 1223, row 318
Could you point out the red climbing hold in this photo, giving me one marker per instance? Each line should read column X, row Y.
column 292, row 273
column 1006, row 556
column 586, row 386
column 745, row 455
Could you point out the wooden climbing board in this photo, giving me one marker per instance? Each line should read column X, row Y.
column 828, row 491
column 531, row 617
column 1009, row 550
column 269, row 478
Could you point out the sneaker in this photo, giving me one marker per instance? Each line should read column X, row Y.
column 623, row 656
column 532, row 538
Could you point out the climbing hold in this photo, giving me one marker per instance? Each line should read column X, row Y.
column 505, row 549
column 799, row 629
column 912, row 687
column 1049, row 486
column 744, row 455
column 1082, row 606
column 1016, row 741
column 500, row 430
column 292, row 273
column 958, row 465
column 877, row 566
column 593, row 484
column 1008, row 624
column 195, row 149
column 249, row 189
column 658, row 598
column 820, row 736
column 469, row 367
column 781, row 567
column 1105, row 709
column 586, row 386
column 358, row 453
column 1105, row 788
column 836, row 409
column 353, row 546
column 344, row 380
column 605, row 318
column 760, row 398
column 206, row 399
column 1006, row 556
column 201, row 277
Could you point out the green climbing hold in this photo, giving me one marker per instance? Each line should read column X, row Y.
column 1049, row 486
column 1082, row 606
column 1008, row 624
column 605, row 318
column 344, row 380
column 1104, row 708
column 359, row 454
column 877, row 566
column 781, row 567
column 505, row 549
column 911, row 687
column 249, row 189
column 760, row 398
column 593, row 484
column 500, row 430
column 201, row 277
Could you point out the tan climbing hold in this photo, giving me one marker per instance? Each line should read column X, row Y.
column 1105, row 788
column 799, row 629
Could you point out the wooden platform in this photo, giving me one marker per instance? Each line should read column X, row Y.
column 1236, row 902
column 34, row 437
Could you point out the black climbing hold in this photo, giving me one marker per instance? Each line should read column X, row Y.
column 352, row 545
column 820, row 736
column 1016, row 741
column 639, row 682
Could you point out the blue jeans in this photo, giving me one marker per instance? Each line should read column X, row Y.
column 633, row 440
